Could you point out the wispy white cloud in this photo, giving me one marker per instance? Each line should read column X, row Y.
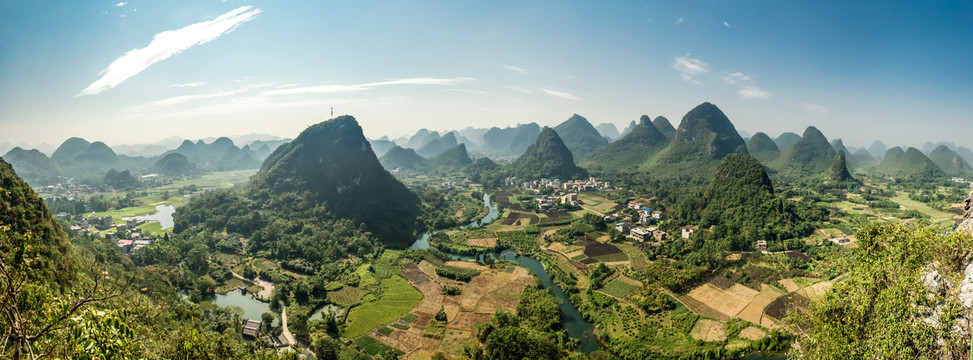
column 680, row 20
column 753, row 92
column 189, row 84
column 175, row 100
column 519, row 89
column 167, row 44
column 815, row 108
column 735, row 78
column 121, row 4
column 689, row 66
column 331, row 88
column 514, row 68
column 726, row 24
column 561, row 94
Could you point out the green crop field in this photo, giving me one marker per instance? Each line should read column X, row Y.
column 346, row 296
column 398, row 297
column 375, row 347
column 619, row 256
column 618, row 288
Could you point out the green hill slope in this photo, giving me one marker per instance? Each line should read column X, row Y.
column 665, row 127
column 950, row 162
column 704, row 137
column 629, row 152
column 547, row 158
column 811, row 155
column 33, row 166
column 763, row 148
column 580, row 136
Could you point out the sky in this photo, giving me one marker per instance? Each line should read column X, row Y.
column 128, row 72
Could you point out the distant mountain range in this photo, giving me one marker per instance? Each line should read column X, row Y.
column 83, row 160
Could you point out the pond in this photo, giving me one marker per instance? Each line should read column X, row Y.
column 163, row 214
column 571, row 318
column 337, row 311
column 252, row 308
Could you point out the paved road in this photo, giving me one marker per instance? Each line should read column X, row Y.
column 283, row 323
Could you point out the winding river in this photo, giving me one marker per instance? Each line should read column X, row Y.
column 571, row 318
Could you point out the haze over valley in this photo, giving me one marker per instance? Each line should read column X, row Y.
column 504, row 180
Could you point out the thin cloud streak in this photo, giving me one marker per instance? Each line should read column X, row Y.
column 753, row 92
column 737, row 77
column 561, row 94
column 165, row 45
column 330, row 89
column 514, row 68
column 188, row 85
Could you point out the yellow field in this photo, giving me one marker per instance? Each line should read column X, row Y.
column 708, row 330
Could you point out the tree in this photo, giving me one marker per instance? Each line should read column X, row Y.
column 441, row 314
column 267, row 318
column 39, row 320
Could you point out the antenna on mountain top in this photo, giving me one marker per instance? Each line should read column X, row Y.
column 332, row 112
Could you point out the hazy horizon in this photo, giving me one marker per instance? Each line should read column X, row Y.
column 134, row 72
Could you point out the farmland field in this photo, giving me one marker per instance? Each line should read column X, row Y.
column 398, row 297
column 374, row 347
column 618, row 288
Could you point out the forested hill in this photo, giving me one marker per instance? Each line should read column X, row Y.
column 547, row 158
column 705, row 135
column 580, row 136
column 741, row 206
column 34, row 236
column 332, row 163
column 327, row 180
column 631, row 150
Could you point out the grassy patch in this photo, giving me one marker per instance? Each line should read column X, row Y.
column 618, row 288
column 398, row 297
column 154, row 228
column 611, row 257
column 936, row 215
column 348, row 295
column 410, row 317
column 384, row 331
column 375, row 347
column 400, row 326
column 436, row 329
column 578, row 257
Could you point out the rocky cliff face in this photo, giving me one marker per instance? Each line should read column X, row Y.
column 966, row 287
column 953, row 326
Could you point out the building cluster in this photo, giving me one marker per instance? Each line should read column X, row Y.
column 67, row 189
column 962, row 181
column 450, row 184
column 643, row 231
column 131, row 244
column 591, row 184
column 546, row 202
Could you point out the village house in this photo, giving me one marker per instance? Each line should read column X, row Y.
column 761, row 245
column 623, row 227
column 251, row 328
column 688, row 231
column 125, row 246
column 641, row 234
column 659, row 235
column 841, row 240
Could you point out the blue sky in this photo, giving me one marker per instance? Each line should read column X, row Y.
column 138, row 71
